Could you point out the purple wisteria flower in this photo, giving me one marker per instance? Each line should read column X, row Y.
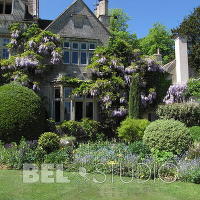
column 130, row 70
column 26, row 62
column 43, row 49
column 145, row 100
column 13, row 41
column 122, row 100
column 102, row 60
column 175, row 94
column 127, row 79
column 56, row 57
column 94, row 92
column 32, row 44
column 121, row 112
column 15, row 34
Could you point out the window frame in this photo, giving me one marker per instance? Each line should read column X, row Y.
column 64, row 58
column 5, row 2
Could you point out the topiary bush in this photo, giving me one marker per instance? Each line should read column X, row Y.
column 167, row 135
column 187, row 113
column 85, row 130
column 49, row 142
column 195, row 133
column 132, row 130
column 21, row 113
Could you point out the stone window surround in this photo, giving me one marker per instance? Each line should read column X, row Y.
column 72, row 100
column 70, row 49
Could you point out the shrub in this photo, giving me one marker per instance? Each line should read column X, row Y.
column 193, row 88
column 192, row 176
column 132, row 130
column 167, row 135
column 86, row 130
column 49, row 142
column 20, row 113
column 187, row 113
column 195, row 133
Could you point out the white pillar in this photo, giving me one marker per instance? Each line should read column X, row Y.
column 182, row 69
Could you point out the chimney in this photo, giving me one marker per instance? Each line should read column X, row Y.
column 102, row 13
column 97, row 10
column 182, row 69
column 158, row 56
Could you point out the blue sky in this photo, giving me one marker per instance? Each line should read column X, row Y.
column 143, row 13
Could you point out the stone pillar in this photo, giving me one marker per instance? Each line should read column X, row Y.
column 182, row 69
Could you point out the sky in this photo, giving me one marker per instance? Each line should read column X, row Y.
column 143, row 13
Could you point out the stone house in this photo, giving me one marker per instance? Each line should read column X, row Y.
column 82, row 31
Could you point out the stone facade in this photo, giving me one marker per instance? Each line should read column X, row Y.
column 81, row 32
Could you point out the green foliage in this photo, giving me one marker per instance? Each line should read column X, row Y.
column 167, row 135
column 86, row 130
column 190, row 29
column 49, row 142
column 193, row 88
column 21, row 113
column 132, row 130
column 162, row 156
column 195, row 133
column 158, row 38
column 134, row 99
column 62, row 156
column 192, row 176
column 187, row 113
column 139, row 148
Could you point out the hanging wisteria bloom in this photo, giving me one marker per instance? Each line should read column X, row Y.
column 107, row 101
column 121, row 112
column 56, row 57
column 36, row 87
column 130, row 70
column 13, row 41
column 32, row 44
column 102, row 60
column 43, row 49
column 46, row 39
column 94, row 92
column 26, row 62
column 175, row 94
column 122, row 100
column 15, row 34
column 128, row 79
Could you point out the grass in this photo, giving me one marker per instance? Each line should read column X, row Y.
column 13, row 188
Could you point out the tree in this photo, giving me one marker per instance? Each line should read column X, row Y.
column 134, row 98
column 158, row 38
column 190, row 29
column 118, row 28
column 32, row 50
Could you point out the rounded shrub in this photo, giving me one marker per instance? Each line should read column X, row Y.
column 21, row 113
column 85, row 130
column 49, row 142
column 195, row 133
column 132, row 130
column 188, row 113
column 167, row 135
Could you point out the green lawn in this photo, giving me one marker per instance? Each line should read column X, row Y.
column 12, row 188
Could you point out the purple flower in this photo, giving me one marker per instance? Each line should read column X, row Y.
column 122, row 100
column 94, row 92
column 102, row 60
column 15, row 34
column 26, row 62
column 56, row 57
column 121, row 112
column 32, row 44
column 175, row 94
column 130, row 70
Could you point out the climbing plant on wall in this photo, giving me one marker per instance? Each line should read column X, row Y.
column 32, row 51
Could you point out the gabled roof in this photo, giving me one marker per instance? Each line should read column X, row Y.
column 64, row 26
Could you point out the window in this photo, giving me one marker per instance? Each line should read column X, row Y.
column 90, row 57
column 67, row 111
column 6, row 41
column 78, row 111
column 66, row 57
column 74, row 57
column 67, row 107
column 57, row 93
column 66, row 45
column 92, row 46
column 83, row 46
column 78, row 53
column 75, row 45
column 5, row 6
column 67, row 92
column 83, row 58
column 5, row 54
column 89, row 110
